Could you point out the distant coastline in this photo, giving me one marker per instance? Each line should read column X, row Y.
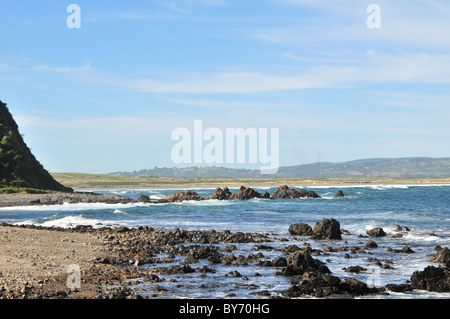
column 99, row 181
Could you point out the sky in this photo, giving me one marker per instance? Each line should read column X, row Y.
column 339, row 80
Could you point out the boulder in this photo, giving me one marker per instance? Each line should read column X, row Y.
column 322, row 285
column 355, row 287
column 182, row 196
column 266, row 195
column 327, row 229
column 300, row 229
column 354, row 269
column 220, row 194
column 315, row 285
column 401, row 228
column 376, row 232
column 143, row 199
column 405, row 250
column 300, row 262
column 442, row 256
column 339, row 193
column 371, row 244
column 431, row 279
column 290, row 193
column 245, row 193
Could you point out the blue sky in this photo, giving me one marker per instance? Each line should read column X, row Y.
column 106, row 97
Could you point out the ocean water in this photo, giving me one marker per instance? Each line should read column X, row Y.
column 424, row 209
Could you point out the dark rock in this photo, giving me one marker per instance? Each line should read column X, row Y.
column 376, row 232
column 279, row 262
column 300, row 262
column 399, row 288
column 354, row 269
column 371, row 244
column 245, row 193
column 442, row 256
column 316, row 285
column 266, row 195
column 300, row 229
column 431, row 279
column 320, row 286
column 357, row 288
column 401, row 228
column 290, row 193
column 405, row 250
column 285, row 192
column 143, row 199
column 220, row 194
column 339, row 193
column 182, row 196
column 327, row 229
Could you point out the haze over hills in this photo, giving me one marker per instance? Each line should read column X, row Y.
column 410, row 167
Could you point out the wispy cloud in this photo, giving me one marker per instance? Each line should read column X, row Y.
column 413, row 68
column 65, row 69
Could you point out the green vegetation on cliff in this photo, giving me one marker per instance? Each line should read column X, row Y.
column 19, row 169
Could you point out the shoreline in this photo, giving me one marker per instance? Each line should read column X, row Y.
column 90, row 181
column 34, row 263
column 34, row 260
column 87, row 195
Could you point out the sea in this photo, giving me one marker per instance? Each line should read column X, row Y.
column 423, row 209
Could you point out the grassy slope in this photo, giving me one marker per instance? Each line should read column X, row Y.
column 86, row 181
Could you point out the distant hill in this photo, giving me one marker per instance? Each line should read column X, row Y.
column 18, row 166
column 410, row 167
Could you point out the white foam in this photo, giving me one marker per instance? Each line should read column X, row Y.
column 72, row 207
column 72, row 221
column 209, row 202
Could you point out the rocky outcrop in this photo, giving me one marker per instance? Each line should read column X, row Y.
column 301, row 261
column 19, row 167
column 434, row 278
column 245, row 193
column 300, row 229
column 376, row 232
column 182, row 196
column 220, row 194
column 327, row 229
column 290, row 193
column 442, row 256
column 323, row 285
column 339, row 193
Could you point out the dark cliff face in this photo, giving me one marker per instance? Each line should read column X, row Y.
column 18, row 166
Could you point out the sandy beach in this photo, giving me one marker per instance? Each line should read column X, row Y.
column 33, row 261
